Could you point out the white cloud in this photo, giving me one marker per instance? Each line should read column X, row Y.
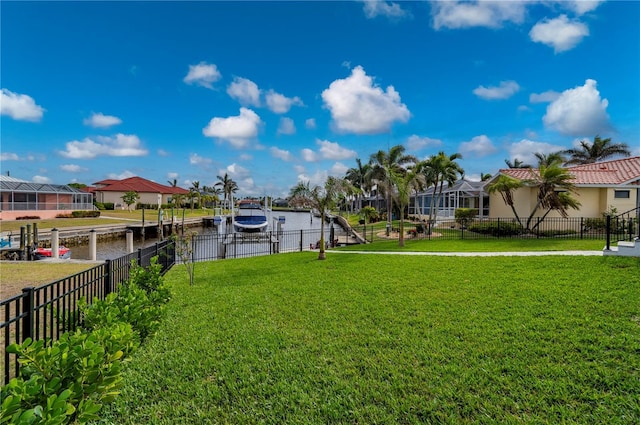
column 359, row 106
column 281, row 104
column 281, row 154
column 120, row 145
column 339, row 169
column 124, row 175
column 299, row 169
column 373, row 8
column 544, row 97
column 172, row 176
column 578, row 112
column 100, row 120
column 464, row 14
column 332, row 150
column 309, row 155
column 204, row 74
column 244, row 91
column 505, row 90
column 195, row 159
column 559, row 33
column 73, row 168
column 162, row 152
column 310, row 123
column 525, row 150
column 478, row 147
column 20, row 107
column 245, row 156
column 416, row 143
column 40, row 179
column 580, row 7
column 237, row 130
column 9, row 156
column 524, row 108
column 286, row 126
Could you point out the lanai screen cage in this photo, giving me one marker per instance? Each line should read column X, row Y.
column 21, row 195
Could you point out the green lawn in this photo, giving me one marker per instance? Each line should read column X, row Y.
column 393, row 339
column 482, row 245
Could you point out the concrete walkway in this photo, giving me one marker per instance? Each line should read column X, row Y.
column 477, row 254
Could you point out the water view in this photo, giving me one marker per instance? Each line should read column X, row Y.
column 292, row 221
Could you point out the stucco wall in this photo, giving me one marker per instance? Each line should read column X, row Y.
column 116, row 198
column 594, row 202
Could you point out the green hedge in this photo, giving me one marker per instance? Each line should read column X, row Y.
column 497, row 229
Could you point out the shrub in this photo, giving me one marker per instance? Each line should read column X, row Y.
column 68, row 380
column 595, row 223
column 465, row 215
column 109, row 206
column 496, row 228
column 28, row 217
column 82, row 214
column 64, row 216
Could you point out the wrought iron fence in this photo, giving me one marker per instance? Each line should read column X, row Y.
column 218, row 246
column 492, row 228
column 49, row 310
column 623, row 227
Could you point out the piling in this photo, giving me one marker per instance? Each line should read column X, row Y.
column 129, row 241
column 93, row 245
column 55, row 248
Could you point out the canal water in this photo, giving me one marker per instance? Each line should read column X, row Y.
column 117, row 248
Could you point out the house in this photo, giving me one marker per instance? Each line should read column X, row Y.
column 600, row 187
column 112, row 191
column 462, row 194
column 19, row 198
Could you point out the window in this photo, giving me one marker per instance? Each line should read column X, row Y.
column 622, row 194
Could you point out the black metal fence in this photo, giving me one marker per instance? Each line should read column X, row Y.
column 49, row 310
column 490, row 228
column 218, row 246
column 623, row 227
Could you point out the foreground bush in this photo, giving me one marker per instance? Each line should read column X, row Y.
column 70, row 379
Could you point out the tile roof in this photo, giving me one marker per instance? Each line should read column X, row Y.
column 140, row 185
column 615, row 172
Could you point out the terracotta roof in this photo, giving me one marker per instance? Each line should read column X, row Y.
column 615, row 172
column 140, row 185
column 107, row 182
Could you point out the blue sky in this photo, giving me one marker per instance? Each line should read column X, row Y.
column 275, row 92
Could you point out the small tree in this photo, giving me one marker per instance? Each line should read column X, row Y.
column 130, row 198
column 184, row 251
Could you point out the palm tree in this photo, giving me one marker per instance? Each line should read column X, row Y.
column 601, row 149
column 485, row 176
column 228, row 186
column 173, row 183
column 550, row 158
column 322, row 198
column 404, row 183
column 439, row 169
column 383, row 164
column 516, row 164
column 358, row 178
column 505, row 185
column 552, row 181
column 195, row 189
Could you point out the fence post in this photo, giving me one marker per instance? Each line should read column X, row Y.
column 581, row 227
column 140, row 257
column 27, row 310
column 608, row 246
column 108, row 278
column 300, row 240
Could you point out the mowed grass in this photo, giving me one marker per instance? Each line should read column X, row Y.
column 16, row 275
column 393, row 339
column 482, row 245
